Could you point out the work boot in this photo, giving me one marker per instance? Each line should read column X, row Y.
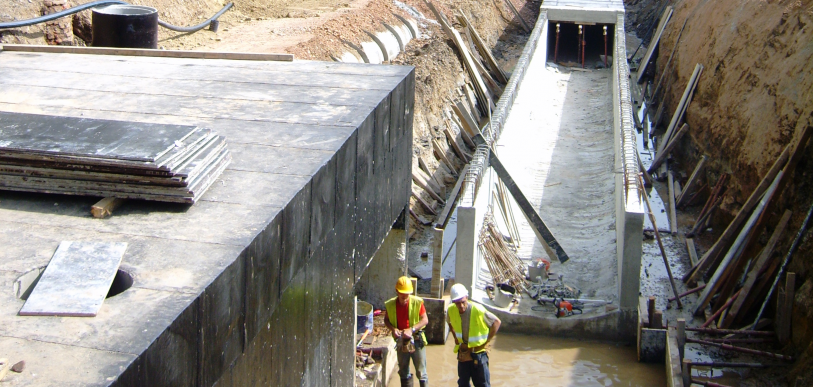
column 407, row 382
column 424, row 383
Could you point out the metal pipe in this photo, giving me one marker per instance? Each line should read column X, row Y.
column 684, row 294
column 731, row 331
column 57, row 15
column 720, row 311
column 584, row 44
column 579, row 50
column 556, row 47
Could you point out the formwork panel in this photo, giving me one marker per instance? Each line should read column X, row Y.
column 296, row 222
column 263, row 277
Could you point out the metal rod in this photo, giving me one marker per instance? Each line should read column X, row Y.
column 741, row 349
column 605, row 48
column 731, row 331
column 708, row 384
column 731, row 365
column 719, row 311
column 684, row 294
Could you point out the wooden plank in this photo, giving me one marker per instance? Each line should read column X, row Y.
column 734, row 252
column 785, row 308
column 453, row 142
column 654, row 95
column 692, row 251
column 758, row 267
column 516, row 13
column 441, row 155
column 469, row 125
column 662, row 249
column 662, row 155
column 485, row 52
column 667, row 14
column 104, row 208
column 425, row 168
column 546, row 238
column 644, row 172
column 76, row 280
column 672, row 210
column 692, row 180
column 710, row 257
column 423, row 183
column 148, row 52
column 465, row 136
column 443, row 218
column 681, row 108
column 426, row 206
column 484, row 101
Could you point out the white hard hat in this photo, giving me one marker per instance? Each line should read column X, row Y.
column 459, row 291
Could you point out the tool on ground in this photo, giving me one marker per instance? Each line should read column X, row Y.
column 566, row 309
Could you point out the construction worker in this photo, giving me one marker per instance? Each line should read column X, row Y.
column 472, row 327
column 405, row 316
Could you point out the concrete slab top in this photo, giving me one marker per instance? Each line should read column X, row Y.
column 583, row 11
column 283, row 121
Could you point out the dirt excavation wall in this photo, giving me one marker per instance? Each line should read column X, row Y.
column 754, row 96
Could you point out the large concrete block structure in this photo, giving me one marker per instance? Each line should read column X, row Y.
column 253, row 284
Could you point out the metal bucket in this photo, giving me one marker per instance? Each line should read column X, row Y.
column 364, row 316
column 125, row 26
column 503, row 295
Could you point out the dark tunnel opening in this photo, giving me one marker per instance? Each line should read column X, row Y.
column 568, row 52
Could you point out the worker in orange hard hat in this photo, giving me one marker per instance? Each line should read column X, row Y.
column 405, row 316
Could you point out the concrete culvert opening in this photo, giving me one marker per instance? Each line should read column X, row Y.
column 26, row 283
column 569, row 48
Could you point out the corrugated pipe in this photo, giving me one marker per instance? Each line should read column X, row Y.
column 22, row 23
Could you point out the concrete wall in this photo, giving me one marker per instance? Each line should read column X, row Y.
column 629, row 206
column 305, row 336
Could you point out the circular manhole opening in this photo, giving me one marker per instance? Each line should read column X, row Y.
column 25, row 283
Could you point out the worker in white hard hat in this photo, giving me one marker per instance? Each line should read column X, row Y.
column 473, row 327
column 405, row 315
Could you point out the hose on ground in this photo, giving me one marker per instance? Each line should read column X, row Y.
column 198, row 27
column 57, row 15
column 80, row 8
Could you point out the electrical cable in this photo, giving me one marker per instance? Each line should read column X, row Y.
column 212, row 21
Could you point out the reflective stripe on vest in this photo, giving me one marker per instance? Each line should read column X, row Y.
column 414, row 312
column 478, row 329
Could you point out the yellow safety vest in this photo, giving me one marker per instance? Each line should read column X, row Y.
column 478, row 329
column 414, row 312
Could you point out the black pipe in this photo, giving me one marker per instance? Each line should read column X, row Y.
column 42, row 19
column 57, row 15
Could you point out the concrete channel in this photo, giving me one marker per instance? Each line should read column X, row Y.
column 277, row 242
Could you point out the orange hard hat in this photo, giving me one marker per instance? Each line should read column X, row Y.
column 404, row 285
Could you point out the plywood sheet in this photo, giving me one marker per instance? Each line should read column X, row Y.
column 76, row 281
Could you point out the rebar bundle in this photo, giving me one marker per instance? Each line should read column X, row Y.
column 503, row 263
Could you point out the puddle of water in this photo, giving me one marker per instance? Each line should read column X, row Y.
column 519, row 360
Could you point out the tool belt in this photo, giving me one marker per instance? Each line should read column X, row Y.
column 463, row 356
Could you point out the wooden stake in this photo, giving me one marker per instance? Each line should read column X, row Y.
column 681, row 335
column 485, row 52
column 421, row 182
column 426, row 206
column 733, row 253
column 453, row 142
column 104, row 208
column 686, row 372
column 692, row 180
column 516, row 13
column 441, row 155
column 443, row 218
column 650, row 307
column 672, row 211
column 725, row 240
column 757, row 268
column 692, row 251
column 469, row 125
column 663, row 251
column 647, row 176
column 654, row 95
column 667, row 14
column 783, row 327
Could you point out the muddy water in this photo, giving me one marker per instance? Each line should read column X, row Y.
column 517, row 360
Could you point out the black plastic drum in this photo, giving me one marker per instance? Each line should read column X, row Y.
column 125, row 26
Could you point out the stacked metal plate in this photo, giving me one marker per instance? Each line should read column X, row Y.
column 77, row 156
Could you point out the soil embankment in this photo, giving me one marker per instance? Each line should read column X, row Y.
column 755, row 96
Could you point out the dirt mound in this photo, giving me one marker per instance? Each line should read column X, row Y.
column 754, row 96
